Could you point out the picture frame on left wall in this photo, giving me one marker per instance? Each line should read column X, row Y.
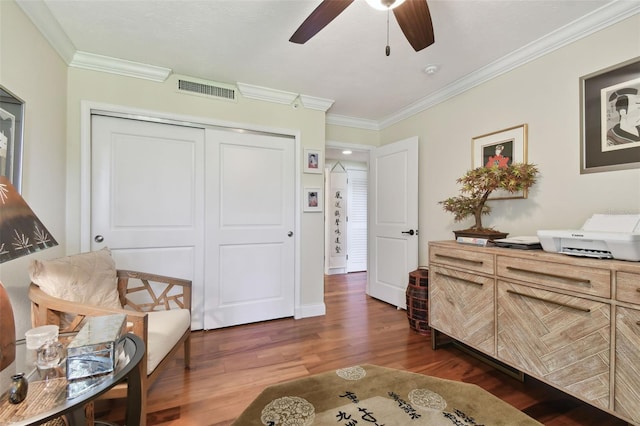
column 312, row 200
column 313, row 161
column 11, row 131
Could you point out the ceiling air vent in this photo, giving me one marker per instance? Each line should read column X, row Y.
column 209, row 89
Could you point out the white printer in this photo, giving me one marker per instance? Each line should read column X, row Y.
column 607, row 236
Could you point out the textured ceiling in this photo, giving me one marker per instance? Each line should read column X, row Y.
column 247, row 41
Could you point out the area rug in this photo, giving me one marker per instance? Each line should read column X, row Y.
column 372, row 395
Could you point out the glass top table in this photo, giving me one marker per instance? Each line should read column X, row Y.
column 51, row 395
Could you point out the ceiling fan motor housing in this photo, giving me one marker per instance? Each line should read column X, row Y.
column 412, row 16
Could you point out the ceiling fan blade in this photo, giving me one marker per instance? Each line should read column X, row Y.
column 319, row 18
column 415, row 21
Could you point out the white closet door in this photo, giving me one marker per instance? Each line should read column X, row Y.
column 147, row 198
column 357, row 220
column 250, row 247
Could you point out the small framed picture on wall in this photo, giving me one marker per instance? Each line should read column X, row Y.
column 312, row 200
column 313, row 161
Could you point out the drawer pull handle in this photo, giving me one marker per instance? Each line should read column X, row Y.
column 577, row 308
column 546, row 274
column 475, row 262
column 460, row 279
column 637, row 322
column 638, row 290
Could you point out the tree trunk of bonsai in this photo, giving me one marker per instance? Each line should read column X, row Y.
column 478, row 215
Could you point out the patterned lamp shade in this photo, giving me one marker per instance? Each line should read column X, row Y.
column 21, row 232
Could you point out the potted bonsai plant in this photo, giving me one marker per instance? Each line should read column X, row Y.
column 477, row 185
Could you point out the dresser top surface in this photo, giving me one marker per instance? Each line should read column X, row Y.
column 539, row 254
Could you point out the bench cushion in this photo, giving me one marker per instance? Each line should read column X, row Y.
column 164, row 330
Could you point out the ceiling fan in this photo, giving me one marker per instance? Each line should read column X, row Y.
column 412, row 15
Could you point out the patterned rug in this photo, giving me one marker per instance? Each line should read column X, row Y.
column 371, row 395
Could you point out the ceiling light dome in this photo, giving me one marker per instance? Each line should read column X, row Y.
column 385, row 4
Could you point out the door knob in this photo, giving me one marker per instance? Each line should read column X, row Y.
column 410, row 232
column 98, row 238
column 290, row 234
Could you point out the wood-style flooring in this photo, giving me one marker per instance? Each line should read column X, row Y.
column 231, row 366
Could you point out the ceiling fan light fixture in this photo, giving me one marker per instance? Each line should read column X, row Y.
column 384, row 4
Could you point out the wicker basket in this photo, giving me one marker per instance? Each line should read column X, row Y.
column 417, row 301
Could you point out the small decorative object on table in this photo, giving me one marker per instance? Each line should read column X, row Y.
column 95, row 349
column 18, row 389
column 482, row 242
column 49, row 355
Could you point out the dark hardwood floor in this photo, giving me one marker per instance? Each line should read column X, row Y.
column 231, row 366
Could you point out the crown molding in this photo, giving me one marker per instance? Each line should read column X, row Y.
column 266, row 94
column 320, row 104
column 595, row 21
column 90, row 61
column 358, row 123
column 42, row 18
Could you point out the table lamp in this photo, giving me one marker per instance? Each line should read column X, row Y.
column 21, row 233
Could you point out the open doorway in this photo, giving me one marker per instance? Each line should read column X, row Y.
column 346, row 209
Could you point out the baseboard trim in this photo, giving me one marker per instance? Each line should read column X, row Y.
column 314, row 310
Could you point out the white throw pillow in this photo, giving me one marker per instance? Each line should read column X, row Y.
column 87, row 278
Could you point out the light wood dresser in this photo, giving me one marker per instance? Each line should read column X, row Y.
column 571, row 322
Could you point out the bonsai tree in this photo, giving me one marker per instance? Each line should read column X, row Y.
column 479, row 183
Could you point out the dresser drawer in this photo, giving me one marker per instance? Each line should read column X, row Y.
column 472, row 260
column 627, row 375
column 592, row 281
column 628, row 287
column 461, row 305
column 561, row 339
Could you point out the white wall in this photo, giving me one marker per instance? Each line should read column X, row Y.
column 545, row 95
column 33, row 71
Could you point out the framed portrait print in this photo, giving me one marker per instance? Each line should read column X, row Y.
column 312, row 200
column 610, row 118
column 11, row 126
column 501, row 148
column 312, row 161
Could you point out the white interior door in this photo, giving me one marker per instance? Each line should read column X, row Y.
column 147, row 198
column 393, row 239
column 250, row 198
